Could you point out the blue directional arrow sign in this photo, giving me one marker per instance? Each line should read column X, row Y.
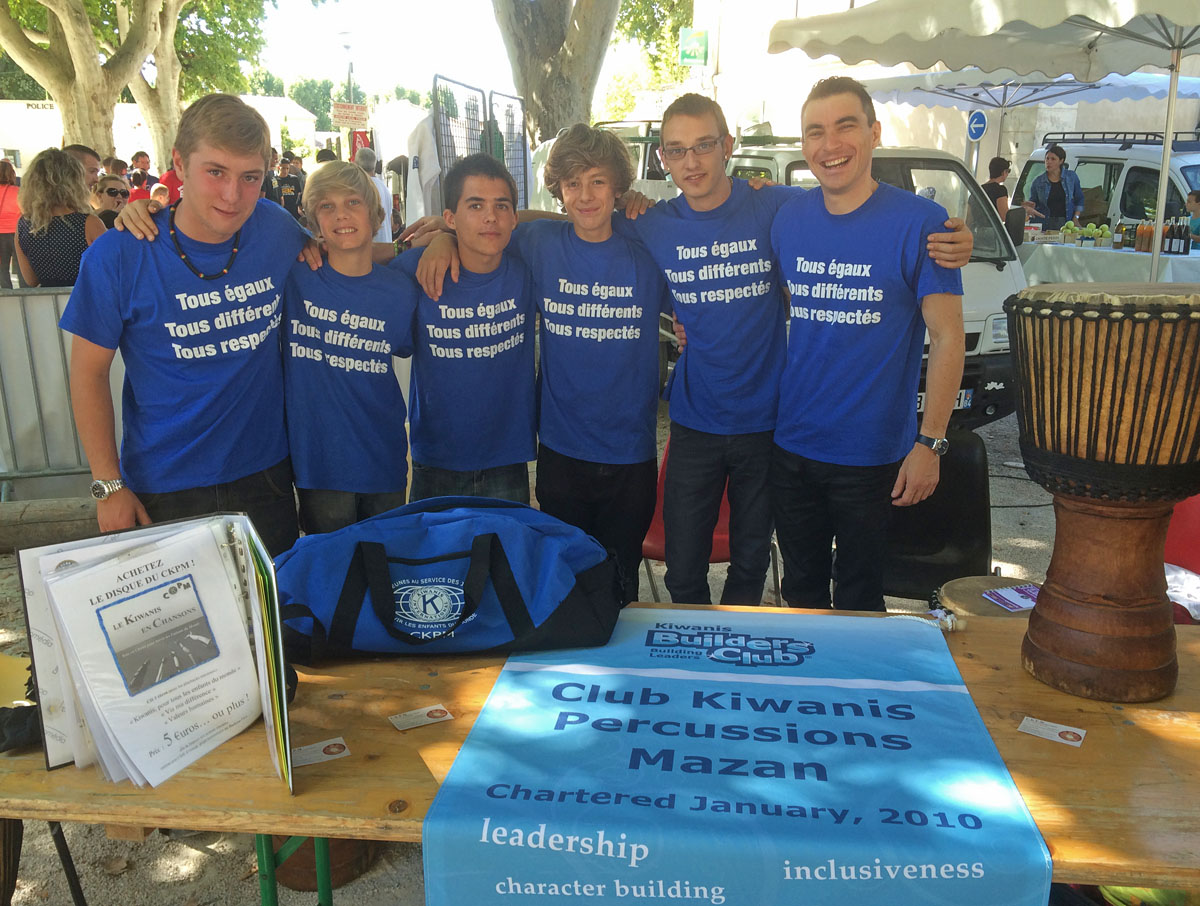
column 976, row 125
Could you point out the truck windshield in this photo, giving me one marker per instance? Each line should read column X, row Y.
column 944, row 181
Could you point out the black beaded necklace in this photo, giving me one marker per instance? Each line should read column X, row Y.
column 237, row 238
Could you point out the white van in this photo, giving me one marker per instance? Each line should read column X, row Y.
column 993, row 274
column 1118, row 172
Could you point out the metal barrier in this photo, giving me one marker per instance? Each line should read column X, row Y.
column 38, row 439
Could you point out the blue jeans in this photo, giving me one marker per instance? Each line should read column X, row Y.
column 266, row 497
column 697, row 470
column 813, row 503
column 502, row 482
column 327, row 511
column 612, row 503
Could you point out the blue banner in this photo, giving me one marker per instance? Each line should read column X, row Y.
column 734, row 758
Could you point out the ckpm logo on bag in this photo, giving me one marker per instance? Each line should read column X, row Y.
column 431, row 604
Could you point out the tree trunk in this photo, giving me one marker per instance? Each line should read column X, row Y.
column 159, row 103
column 556, row 49
column 69, row 68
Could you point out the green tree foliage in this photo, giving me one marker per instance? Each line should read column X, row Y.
column 413, row 96
column 315, row 97
column 212, row 39
column 16, row 84
column 266, row 84
column 655, row 25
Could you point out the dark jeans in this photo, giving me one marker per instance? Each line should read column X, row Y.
column 266, row 497
column 503, row 482
column 612, row 503
column 327, row 511
column 813, row 503
column 698, row 467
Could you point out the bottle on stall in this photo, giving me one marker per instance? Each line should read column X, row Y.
column 1139, row 244
column 1173, row 243
column 1169, row 237
column 1147, row 233
column 1118, row 235
column 1181, row 236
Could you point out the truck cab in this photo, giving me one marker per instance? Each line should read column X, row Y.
column 993, row 274
column 1118, row 172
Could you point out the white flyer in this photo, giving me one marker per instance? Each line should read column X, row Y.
column 157, row 638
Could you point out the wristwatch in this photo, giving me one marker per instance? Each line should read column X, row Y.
column 938, row 445
column 102, row 489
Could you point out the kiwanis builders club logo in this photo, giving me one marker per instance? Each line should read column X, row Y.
column 427, row 606
column 678, row 641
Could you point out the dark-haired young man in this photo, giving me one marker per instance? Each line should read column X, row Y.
column 90, row 160
column 472, row 415
column 847, row 447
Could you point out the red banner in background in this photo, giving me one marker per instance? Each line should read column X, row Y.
column 359, row 139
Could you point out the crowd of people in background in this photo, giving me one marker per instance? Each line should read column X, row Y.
column 107, row 184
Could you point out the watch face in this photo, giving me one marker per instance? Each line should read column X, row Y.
column 98, row 490
column 941, row 445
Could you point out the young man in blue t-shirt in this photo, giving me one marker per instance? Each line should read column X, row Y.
column 473, row 413
column 343, row 323
column 713, row 243
column 864, row 290
column 196, row 318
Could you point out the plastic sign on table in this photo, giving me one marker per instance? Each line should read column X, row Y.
column 734, row 758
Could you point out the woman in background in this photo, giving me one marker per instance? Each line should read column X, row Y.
column 10, row 212
column 1055, row 196
column 109, row 195
column 994, row 189
column 56, row 224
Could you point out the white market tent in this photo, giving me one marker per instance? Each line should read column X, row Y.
column 1087, row 39
column 1004, row 89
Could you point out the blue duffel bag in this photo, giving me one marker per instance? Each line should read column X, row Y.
column 446, row 575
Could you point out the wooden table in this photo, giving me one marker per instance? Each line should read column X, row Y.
column 1122, row 809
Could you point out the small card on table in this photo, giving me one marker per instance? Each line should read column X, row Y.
column 418, row 717
column 1072, row 736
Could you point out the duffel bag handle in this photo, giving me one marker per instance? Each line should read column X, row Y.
column 487, row 560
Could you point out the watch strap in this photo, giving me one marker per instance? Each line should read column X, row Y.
column 938, row 445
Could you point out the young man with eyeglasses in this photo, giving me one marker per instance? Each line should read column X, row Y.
column 713, row 243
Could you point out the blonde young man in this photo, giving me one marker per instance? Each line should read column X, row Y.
column 195, row 314
column 343, row 323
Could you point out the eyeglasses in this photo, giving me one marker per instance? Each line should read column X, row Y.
column 113, row 193
column 700, row 149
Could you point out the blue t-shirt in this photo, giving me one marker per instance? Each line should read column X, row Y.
column 849, row 390
column 345, row 408
column 203, row 395
column 598, row 382
column 725, row 290
column 472, row 397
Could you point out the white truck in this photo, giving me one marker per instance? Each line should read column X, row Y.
column 993, row 274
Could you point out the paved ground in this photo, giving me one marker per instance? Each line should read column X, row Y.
column 211, row 868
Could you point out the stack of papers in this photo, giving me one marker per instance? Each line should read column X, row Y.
column 152, row 647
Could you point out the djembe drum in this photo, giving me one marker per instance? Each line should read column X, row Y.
column 1108, row 407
